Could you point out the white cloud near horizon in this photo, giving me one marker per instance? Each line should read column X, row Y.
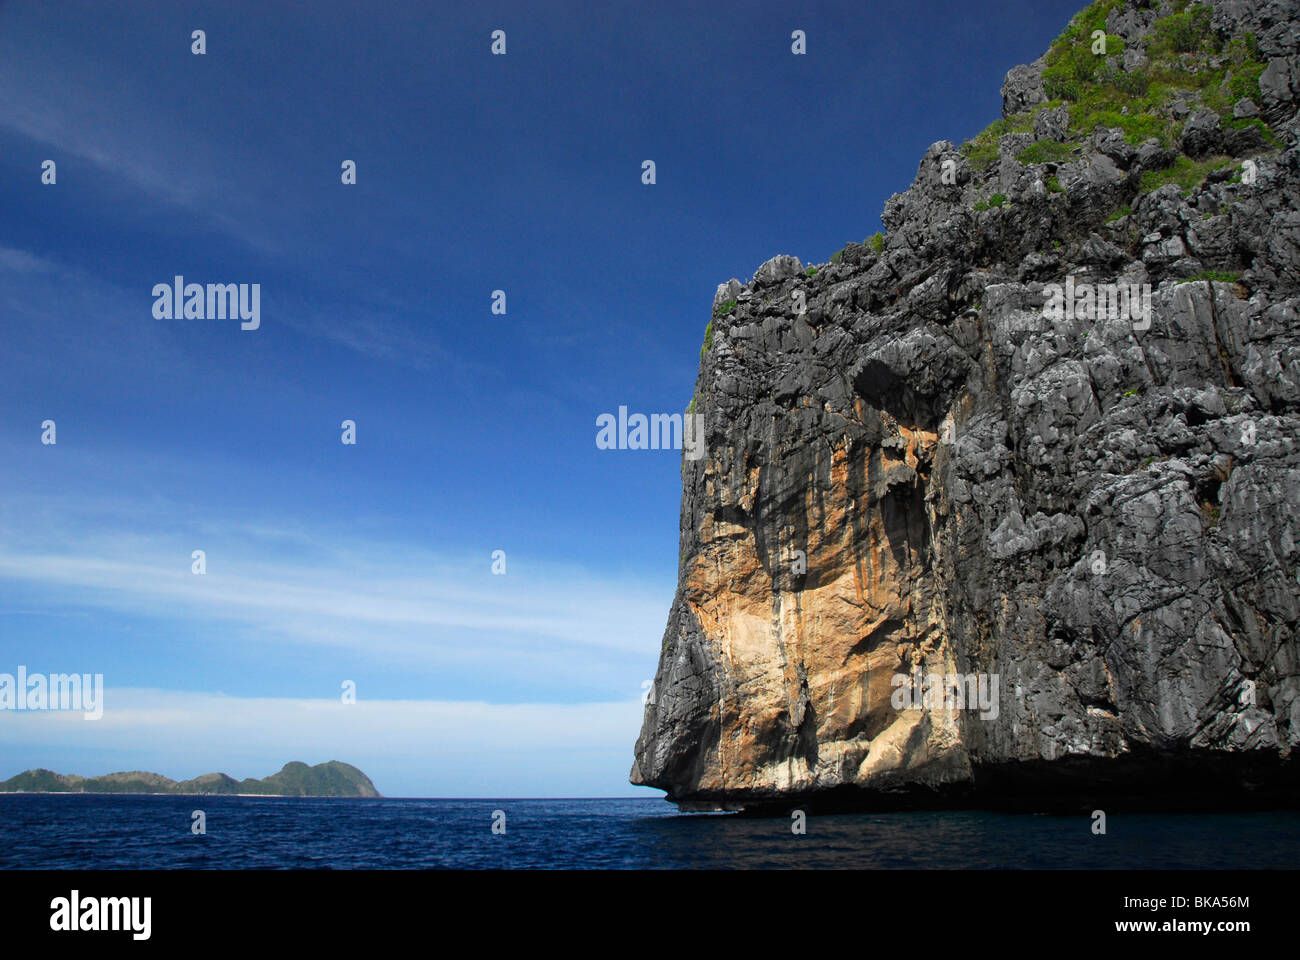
column 407, row 747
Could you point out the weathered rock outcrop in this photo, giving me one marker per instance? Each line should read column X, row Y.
column 915, row 472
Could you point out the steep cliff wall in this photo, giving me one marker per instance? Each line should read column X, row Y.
column 916, row 473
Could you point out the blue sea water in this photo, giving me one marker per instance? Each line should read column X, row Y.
column 143, row 832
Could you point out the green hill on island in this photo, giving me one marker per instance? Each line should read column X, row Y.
column 332, row 779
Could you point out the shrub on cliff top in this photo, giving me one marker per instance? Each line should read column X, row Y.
column 1186, row 172
column 1214, row 276
column 1090, row 18
column 1243, row 123
column 1045, row 151
column 1072, row 69
column 1187, row 32
column 981, row 150
column 1070, row 64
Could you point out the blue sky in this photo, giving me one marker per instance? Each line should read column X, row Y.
column 475, row 432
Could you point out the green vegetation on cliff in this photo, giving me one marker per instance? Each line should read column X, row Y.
column 1147, row 92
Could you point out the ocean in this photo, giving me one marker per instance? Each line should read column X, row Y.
column 86, row 832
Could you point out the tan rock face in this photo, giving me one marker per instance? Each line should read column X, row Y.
column 806, row 634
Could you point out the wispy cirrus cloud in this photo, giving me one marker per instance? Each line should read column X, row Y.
column 276, row 589
column 374, row 599
column 20, row 261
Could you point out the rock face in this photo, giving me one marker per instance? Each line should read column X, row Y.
column 1086, row 519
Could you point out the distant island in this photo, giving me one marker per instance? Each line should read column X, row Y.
column 333, row 779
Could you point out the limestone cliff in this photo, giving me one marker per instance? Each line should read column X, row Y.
column 916, row 469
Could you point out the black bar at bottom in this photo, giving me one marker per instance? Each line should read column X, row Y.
column 903, row 909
